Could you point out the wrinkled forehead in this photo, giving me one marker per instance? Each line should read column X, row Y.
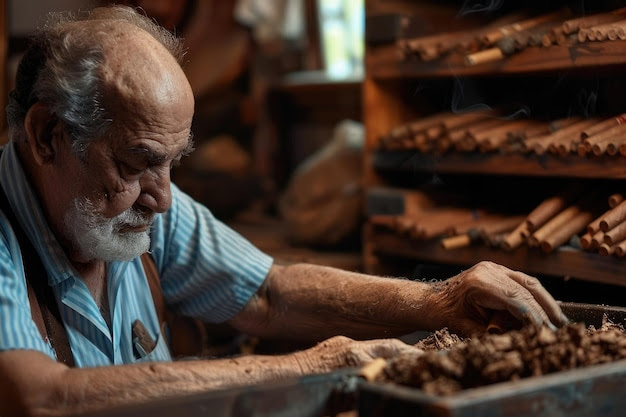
column 138, row 68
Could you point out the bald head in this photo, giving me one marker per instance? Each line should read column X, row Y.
column 81, row 65
column 140, row 75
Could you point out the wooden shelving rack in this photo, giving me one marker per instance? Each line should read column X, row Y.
column 390, row 99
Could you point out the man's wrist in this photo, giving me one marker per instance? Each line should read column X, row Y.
column 434, row 306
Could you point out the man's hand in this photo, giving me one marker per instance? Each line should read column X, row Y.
column 467, row 302
column 341, row 352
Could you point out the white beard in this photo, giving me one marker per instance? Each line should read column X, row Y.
column 98, row 237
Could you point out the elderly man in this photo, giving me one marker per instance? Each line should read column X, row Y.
column 100, row 113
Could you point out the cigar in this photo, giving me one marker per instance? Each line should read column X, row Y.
column 564, row 232
column 585, row 240
column 396, row 138
column 542, row 133
column 484, row 56
column 484, row 129
column 612, row 148
column 432, row 122
column 514, row 239
column 477, row 223
column 585, row 35
column 441, row 221
column 538, row 145
column 537, row 35
column 564, row 40
column 460, row 241
column 485, row 228
column 619, row 143
column 614, row 217
column 469, row 118
column 429, row 48
column 597, row 239
column 568, row 136
column 597, row 142
column 606, row 146
column 493, row 143
column 469, row 141
column 594, row 226
column 606, row 249
column 609, row 31
column 615, row 199
column 553, row 224
column 574, row 25
column 620, row 248
column 545, row 211
column 582, row 150
column 603, row 125
column 526, row 128
column 549, row 38
column 492, row 138
column 494, row 36
column 616, row 234
column 499, row 226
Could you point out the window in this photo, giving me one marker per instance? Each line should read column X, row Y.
column 342, row 25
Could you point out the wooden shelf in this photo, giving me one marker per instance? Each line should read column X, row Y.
column 573, row 166
column 553, row 82
column 565, row 262
column 383, row 62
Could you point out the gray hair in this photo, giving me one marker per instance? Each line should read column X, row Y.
column 63, row 69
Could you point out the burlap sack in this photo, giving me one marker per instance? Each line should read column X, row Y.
column 323, row 202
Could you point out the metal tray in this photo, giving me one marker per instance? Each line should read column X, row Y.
column 591, row 391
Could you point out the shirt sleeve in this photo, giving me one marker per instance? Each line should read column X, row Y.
column 208, row 271
column 17, row 328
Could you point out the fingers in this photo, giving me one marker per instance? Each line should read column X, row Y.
column 521, row 295
column 547, row 303
column 528, row 310
column 362, row 352
column 341, row 351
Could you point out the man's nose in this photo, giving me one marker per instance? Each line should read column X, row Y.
column 156, row 194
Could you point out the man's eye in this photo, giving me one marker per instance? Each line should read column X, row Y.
column 131, row 170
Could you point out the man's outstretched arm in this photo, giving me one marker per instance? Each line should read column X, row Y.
column 312, row 302
column 31, row 383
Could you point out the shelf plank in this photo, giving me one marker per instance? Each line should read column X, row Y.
column 384, row 62
column 574, row 166
column 565, row 262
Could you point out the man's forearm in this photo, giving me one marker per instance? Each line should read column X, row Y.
column 312, row 302
column 67, row 391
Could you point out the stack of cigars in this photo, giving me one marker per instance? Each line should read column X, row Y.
column 515, row 32
column 564, row 219
column 489, row 130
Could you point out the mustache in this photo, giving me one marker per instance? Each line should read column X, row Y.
column 133, row 218
column 130, row 217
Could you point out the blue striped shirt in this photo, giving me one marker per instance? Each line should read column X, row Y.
column 207, row 271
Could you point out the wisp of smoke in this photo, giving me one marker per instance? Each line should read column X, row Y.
column 471, row 6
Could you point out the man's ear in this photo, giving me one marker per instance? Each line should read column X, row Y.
column 42, row 128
